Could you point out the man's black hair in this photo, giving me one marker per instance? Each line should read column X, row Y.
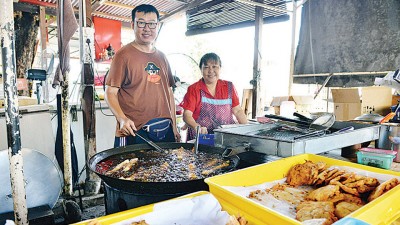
column 145, row 9
column 210, row 57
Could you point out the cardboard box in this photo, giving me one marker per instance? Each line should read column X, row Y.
column 303, row 103
column 277, row 102
column 346, row 103
column 349, row 104
column 22, row 101
column 395, row 99
column 376, row 100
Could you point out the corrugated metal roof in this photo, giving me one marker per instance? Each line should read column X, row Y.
column 202, row 15
column 228, row 14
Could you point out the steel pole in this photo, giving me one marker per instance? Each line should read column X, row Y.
column 292, row 47
column 258, row 23
column 12, row 113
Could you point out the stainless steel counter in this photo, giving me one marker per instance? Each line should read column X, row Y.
column 246, row 137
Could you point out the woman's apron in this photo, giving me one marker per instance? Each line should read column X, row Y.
column 214, row 113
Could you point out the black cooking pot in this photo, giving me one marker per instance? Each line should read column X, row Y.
column 156, row 188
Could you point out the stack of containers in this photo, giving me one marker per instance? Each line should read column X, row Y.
column 376, row 157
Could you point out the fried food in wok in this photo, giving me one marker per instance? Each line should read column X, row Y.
column 122, row 167
column 343, row 209
column 316, row 210
column 169, row 165
column 383, row 188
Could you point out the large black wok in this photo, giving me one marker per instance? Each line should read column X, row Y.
column 156, row 188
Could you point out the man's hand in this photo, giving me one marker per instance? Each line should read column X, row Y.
column 177, row 135
column 127, row 127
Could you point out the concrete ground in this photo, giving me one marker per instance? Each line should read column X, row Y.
column 75, row 210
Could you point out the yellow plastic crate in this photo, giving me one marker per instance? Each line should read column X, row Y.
column 383, row 210
column 121, row 216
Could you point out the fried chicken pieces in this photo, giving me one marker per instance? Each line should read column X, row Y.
column 338, row 192
column 315, row 210
column 236, row 220
column 304, row 174
column 383, row 188
column 233, row 220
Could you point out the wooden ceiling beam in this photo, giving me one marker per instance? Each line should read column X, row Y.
column 116, row 4
column 121, row 18
column 181, row 9
column 122, row 5
column 39, row 3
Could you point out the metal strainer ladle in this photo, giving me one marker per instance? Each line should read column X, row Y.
column 322, row 122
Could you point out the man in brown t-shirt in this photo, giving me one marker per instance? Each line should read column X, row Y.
column 138, row 86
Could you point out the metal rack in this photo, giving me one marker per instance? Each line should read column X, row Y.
column 250, row 137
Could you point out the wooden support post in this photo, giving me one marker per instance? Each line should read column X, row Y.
column 7, row 40
column 68, row 187
column 92, row 182
column 257, row 60
column 43, row 43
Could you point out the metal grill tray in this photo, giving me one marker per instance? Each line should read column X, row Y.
column 286, row 131
column 249, row 135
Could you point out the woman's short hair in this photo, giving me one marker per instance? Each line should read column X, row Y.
column 209, row 57
column 145, row 9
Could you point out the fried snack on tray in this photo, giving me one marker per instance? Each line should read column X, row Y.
column 304, row 174
column 345, row 208
column 316, row 210
column 232, row 221
column 355, row 184
column 352, row 199
column 236, row 220
column 94, row 222
column 142, row 222
column 282, row 192
column 383, row 188
column 329, row 193
column 326, row 176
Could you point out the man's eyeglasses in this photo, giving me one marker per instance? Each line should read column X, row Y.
column 151, row 25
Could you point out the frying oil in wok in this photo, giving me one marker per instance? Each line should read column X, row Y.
column 170, row 165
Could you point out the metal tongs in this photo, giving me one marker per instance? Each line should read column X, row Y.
column 196, row 143
column 152, row 144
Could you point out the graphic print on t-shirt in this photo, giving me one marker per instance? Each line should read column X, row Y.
column 153, row 72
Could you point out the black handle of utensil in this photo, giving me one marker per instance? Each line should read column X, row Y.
column 287, row 119
column 196, row 143
column 152, row 144
column 302, row 117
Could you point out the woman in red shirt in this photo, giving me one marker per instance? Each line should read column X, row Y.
column 211, row 102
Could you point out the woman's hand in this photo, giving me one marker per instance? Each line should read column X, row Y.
column 203, row 130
